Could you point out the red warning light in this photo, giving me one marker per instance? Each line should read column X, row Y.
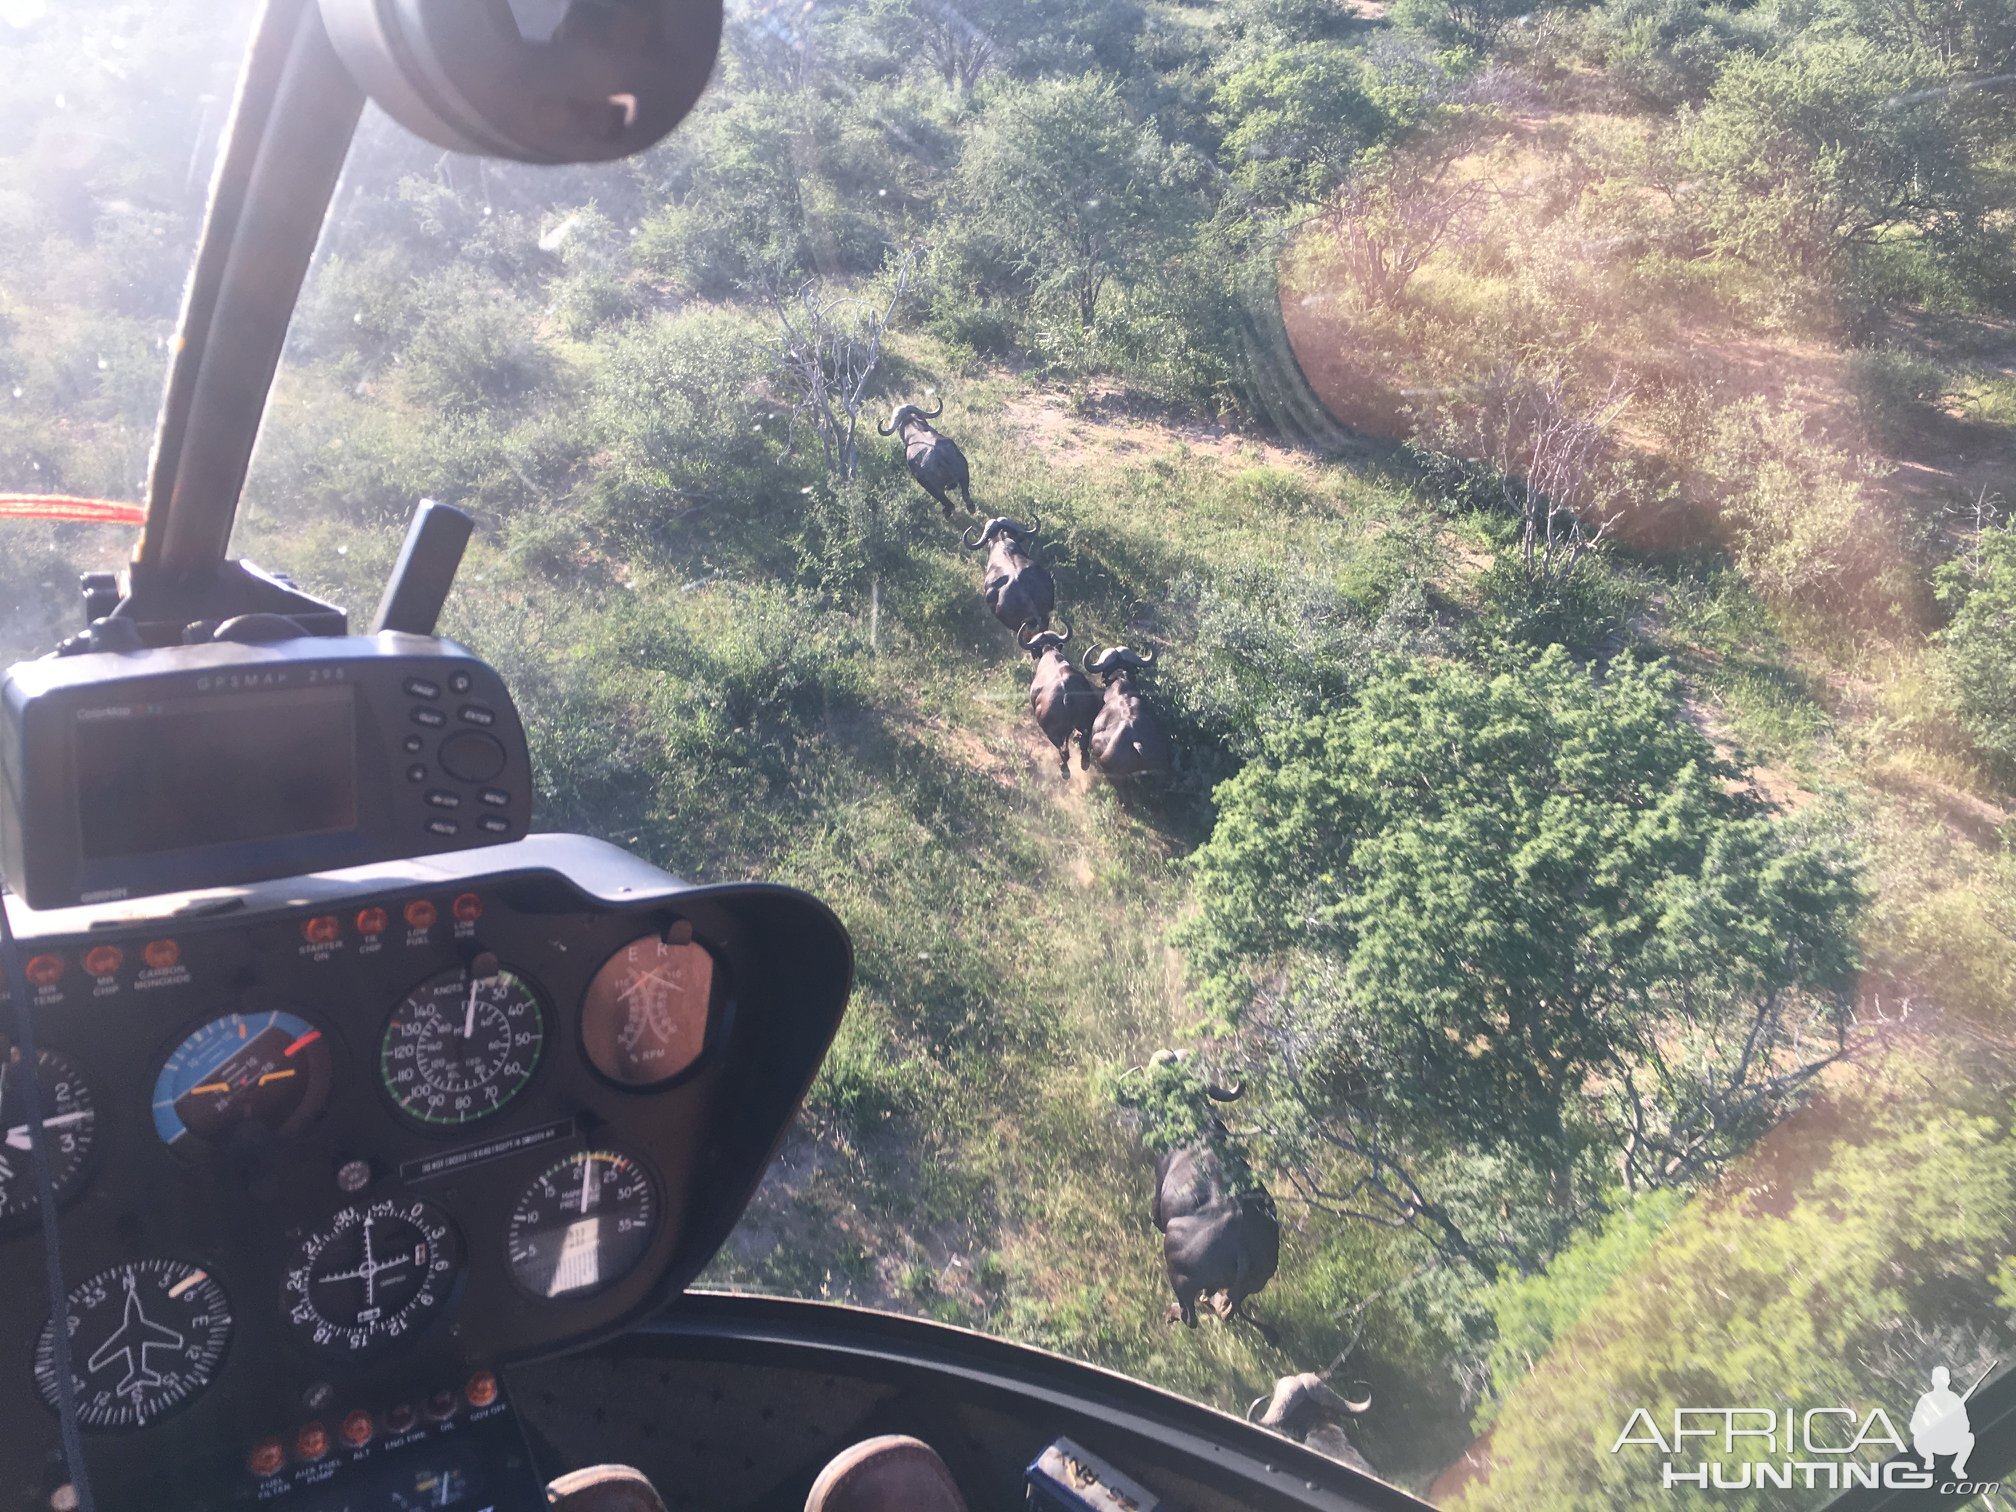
column 420, row 914
column 104, row 960
column 468, row 908
column 162, row 955
column 322, row 930
column 370, row 921
column 266, row 1457
column 45, row 970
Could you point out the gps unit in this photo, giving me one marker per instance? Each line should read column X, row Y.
column 162, row 770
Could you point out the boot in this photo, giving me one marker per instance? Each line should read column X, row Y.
column 889, row 1474
column 604, row 1488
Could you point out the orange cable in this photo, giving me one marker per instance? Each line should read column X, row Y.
column 65, row 507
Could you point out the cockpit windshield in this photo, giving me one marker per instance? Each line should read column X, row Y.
column 1392, row 624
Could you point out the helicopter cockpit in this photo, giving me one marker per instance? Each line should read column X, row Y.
column 363, row 1139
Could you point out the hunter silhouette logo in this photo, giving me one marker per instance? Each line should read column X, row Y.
column 1815, row 1448
column 1939, row 1422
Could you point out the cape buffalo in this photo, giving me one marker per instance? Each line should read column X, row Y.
column 1060, row 696
column 1217, row 1243
column 1018, row 588
column 935, row 461
column 1304, row 1407
column 1127, row 738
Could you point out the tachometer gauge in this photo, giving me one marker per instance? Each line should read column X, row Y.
column 646, row 1015
column 144, row 1337
column 461, row 1045
column 371, row 1275
column 582, row 1224
column 263, row 1073
column 69, row 1127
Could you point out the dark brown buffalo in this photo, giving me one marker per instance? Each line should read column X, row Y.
column 1305, row 1407
column 1127, row 738
column 1060, row 696
column 935, row 461
column 1217, row 1243
column 1017, row 587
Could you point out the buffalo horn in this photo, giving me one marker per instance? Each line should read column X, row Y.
column 889, row 429
column 934, row 414
column 1087, row 660
column 1024, row 635
column 1219, row 1094
column 977, row 542
column 1254, row 1407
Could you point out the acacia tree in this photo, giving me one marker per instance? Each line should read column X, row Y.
column 829, row 346
column 1498, row 944
column 1397, row 207
column 1548, row 458
column 1071, row 188
column 1804, row 155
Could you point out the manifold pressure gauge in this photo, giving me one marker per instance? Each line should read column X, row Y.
column 582, row 1224
column 371, row 1276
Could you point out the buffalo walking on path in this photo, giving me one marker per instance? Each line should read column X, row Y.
column 935, row 461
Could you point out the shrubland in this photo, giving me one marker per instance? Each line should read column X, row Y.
column 1554, row 450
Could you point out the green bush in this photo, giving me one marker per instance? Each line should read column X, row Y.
column 1577, row 609
column 475, row 349
column 1896, row 390
column 1977, row 649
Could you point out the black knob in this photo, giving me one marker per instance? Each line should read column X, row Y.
column 472, row 756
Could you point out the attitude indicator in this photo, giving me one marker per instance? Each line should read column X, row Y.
column 244, row 1075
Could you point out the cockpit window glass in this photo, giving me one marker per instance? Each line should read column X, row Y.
column 109, row 126
column 1389, row 623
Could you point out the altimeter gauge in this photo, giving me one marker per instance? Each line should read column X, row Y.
column 648, row 1012
column 371, row 1276
column 69, row 1128
column 145, row 1337
column 582, row 1224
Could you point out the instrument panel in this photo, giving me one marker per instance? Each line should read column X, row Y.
column 328, row 1152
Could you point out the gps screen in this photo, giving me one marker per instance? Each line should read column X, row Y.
column 216, row 771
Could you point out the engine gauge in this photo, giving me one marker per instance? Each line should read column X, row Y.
column 145, row 1337
column 69, row 1126
column 242, row 1075
column 371, row 1275
column 461, row 1045
column 647, row 1013
column 582, row 1224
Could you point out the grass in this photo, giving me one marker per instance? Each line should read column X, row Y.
column 718, row 701
column 958, row 1157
